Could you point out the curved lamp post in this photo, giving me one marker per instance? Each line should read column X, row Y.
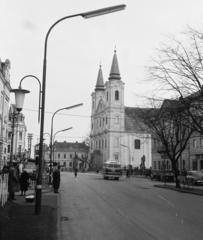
column 129, row 153
column 21, row 92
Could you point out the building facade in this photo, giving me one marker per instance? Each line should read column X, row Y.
column 16, row 132
column 114, row 134
column 4, row 108
column 70, row 155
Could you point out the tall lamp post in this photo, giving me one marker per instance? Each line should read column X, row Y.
column 64, row 130
column 20, row 96
column 129, row 152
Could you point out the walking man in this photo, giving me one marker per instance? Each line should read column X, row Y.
column 127, row 174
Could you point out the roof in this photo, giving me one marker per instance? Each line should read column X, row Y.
column 115, row 72
column 73, row 146
column 132, row 120
column 100, row 81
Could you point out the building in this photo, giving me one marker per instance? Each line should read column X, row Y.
column 71, row 154
column 114, row 133
column 4, row 107
column 16, row 132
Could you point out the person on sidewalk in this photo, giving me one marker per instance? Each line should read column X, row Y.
column 75, row 172
column 127, row 173
column 13, row 182
column 24, row 182
column 56, row 179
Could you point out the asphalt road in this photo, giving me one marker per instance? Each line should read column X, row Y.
column 92, row 208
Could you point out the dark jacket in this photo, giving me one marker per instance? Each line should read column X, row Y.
column 13, row 182
column 24, row 181
column 56, row 179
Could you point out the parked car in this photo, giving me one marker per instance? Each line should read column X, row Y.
column 196, row 176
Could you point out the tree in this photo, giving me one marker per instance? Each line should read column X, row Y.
column 166, row 124
column 178, row 70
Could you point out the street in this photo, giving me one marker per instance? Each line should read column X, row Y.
column 92, row 208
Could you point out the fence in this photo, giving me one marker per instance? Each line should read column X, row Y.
column 3, row 188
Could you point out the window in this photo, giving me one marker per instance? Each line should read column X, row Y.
column 116, row 157
column 9, row 148
column 9, row 134
column 64, row 156
column 93, row 105
column 99, row 144
column 92, row 126
column 102, row 143
column 137, row 144
column 64, row 164
column 58, row 163
column 201, row 142
column 159, row 165
column 105, row 143
column 70, row 155
column 106, row 120
column 19, row 148
column 20, row 135
column 194, row 143
column 59, row 155
column 107, row 96
column 116, row 142
column 154, row 165
column 194, row 164
column 100, row 122
column 116, row 95
column 116, row 119
column 103, row 121
column 96, row 144
column 70, row 164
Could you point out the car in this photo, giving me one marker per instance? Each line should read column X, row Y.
column 195, row 176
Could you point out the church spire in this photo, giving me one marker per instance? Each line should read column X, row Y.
column 114, row 73
column 100, row 81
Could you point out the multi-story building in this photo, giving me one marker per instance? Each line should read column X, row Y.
column 4, row 107
column 16, row 132
column 114, row 133
column 71, row 154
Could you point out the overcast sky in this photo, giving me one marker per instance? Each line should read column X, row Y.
column 77, row 46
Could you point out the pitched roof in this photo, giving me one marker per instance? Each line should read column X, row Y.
column 70, row 145
column 132, row 120
column 115, row 72
column 100, row 81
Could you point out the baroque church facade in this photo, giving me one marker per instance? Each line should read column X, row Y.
column 114, row 133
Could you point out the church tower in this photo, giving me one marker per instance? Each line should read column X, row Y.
column 107, row 118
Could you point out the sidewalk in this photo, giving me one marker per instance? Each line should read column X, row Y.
column 18, row 221
column 197, row 190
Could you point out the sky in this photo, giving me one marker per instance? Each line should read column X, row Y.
column 76, row 48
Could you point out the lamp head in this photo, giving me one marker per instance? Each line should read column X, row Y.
column 19, row 97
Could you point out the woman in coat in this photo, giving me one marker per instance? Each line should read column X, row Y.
column 13, row 183
column 24, row 182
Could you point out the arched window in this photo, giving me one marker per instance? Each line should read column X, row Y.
column 116, row 95
column 137, row 144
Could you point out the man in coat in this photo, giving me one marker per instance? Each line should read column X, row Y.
column 13, row 182
column 56, row 179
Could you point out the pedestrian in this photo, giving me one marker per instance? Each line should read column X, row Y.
column 13, row 182
column 75, row 172
column 127, row 174
column 97, row 170
column 56, row 179
column 24, row 182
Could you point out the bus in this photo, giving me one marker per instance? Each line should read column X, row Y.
column 112, row 169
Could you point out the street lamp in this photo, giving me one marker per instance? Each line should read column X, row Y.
column 55, row 135
column 129, row 152
column 21, row 92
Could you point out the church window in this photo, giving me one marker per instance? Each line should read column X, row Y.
column 137, row 144
column 117, row 120
column 116, row 142
column 116, row 95
column 105, row 143
column 116, row 156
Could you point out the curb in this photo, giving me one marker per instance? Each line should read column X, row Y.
column 192, row 191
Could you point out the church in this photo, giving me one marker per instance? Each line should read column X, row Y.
column 114, row 133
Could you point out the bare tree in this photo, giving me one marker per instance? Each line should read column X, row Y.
column 166, row 123
column 178, row 70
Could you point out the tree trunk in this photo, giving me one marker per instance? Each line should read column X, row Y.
column 175, row 171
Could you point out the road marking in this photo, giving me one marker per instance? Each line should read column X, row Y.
column 166, row 200
column 124, row 216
